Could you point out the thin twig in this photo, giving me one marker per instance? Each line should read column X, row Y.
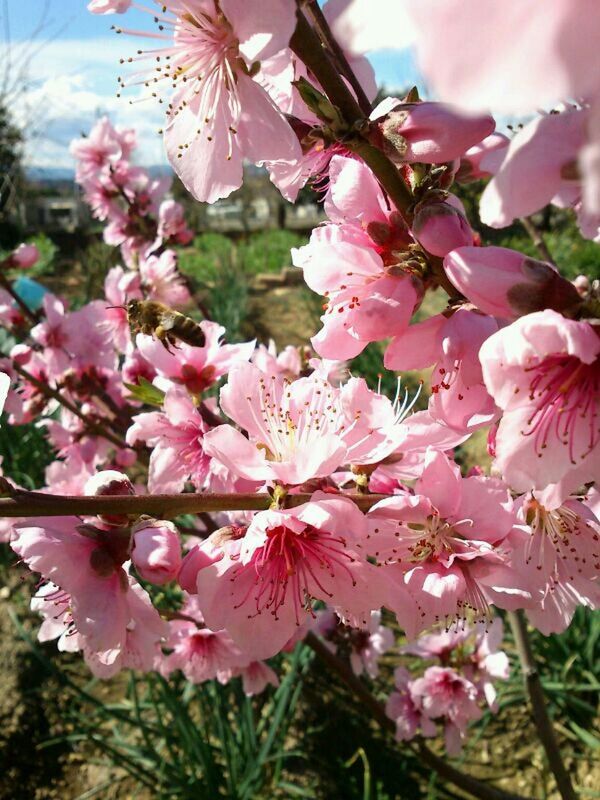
column 94, row 427
column 475, row 787
column 33, row 316
column 543, row 723
column 537, row 238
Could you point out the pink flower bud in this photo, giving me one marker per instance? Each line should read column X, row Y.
column 582, row 284
column 507, row 283
column 109, row 482
column 432, row 133
column 156, row 551
column 25, row 256
column 109, row 6
column 483, row 159
column 440, row 228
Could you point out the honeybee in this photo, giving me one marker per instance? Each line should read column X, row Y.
column 168, row 326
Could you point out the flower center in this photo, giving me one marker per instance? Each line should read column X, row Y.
column 286, row 569
column 566, row 395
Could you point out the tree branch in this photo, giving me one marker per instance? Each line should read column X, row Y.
column 307, row 46
column 537, row 239
column 94, row 427
column 38, row 504
column 476, row 788
column 327, row 37
column 543, row 723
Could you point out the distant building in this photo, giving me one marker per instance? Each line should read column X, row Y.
column 54, row 214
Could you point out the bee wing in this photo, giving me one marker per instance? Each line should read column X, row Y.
column 168, row 320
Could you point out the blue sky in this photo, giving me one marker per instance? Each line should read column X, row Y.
column 71, row 61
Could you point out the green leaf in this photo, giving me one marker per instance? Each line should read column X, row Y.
column 586, row 737
column 146, row 393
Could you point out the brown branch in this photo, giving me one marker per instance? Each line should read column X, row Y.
column 537, row 239
column 38, row 504
column 446, row 771
column 327, row 37
column 307, row 46
column 94, row 427
column 33, row 316
column 543, row 723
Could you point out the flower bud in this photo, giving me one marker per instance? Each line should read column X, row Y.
column 483, row 159
column 509, row 284
column 432, row 133
column 25, row 256
column 109, row 482
column 156, row 550
column 440, row 228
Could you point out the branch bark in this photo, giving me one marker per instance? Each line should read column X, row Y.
column 543, row 723
column 94, row 427
column 38, row 504
column 476, row 788
column 308, row 47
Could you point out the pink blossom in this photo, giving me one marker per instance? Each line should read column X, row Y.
column 287, row 560
column 301, row 430
column 256, row 677
column 355, row 262
column 25, row 256
column 109, row 6
column 544, row 372
column 427, row 132
column 172, row 226
column 88, row 566
column 11, row 315
column 442, row 692
column 440, row 228
column 219, row 113
column 201, row 654
column 527, row 55
column 176, row 435
column 110, row 482
column 287, row 363
column 96, row 151
column 487, row 662
column 442, row 545
column 195, row 368
column 162, row 280
column 369, row 645
column 74, row 339
column 561, row 555
column 483, row 159
column 459, row 398
column 406, row 710
column 120, row 287
column 142, row 638
column 539, row 167
column 506, row 283
column 156, row 550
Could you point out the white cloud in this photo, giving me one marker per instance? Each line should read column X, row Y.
column 70, row 84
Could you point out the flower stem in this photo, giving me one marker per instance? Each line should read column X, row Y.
column 476, row 788
column 543, row 723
